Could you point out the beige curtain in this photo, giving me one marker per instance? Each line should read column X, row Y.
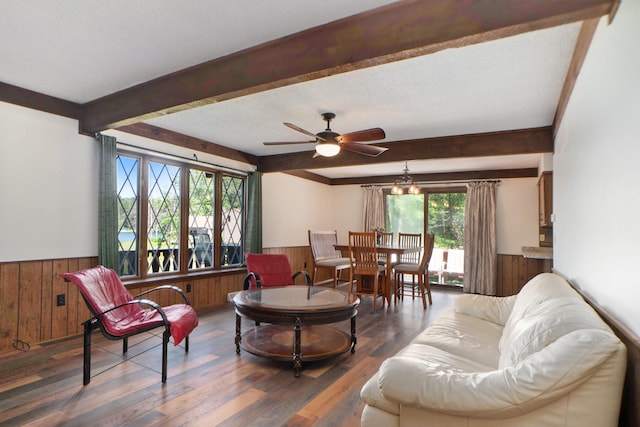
column 480, row 254
column 373, row 215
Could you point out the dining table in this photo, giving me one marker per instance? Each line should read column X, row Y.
column 388, row 251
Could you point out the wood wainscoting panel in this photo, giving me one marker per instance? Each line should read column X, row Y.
column 9, row 297
column 29, row 291
column 514, row 271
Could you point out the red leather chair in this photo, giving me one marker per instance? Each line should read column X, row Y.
column 270, row 270
column 120, row 315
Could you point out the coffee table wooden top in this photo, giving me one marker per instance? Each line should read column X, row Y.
column 298, row 300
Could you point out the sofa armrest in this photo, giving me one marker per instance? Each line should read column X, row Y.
column 434, row 384
column 492, row 309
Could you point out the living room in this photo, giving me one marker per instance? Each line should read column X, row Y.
column 52, row 213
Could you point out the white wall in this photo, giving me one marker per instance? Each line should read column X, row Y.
column 322, row 207
column 48, row 187
column 597, row 172
column 516, row 215
column 290, row 207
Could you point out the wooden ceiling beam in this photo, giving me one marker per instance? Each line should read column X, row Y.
column 189, row 142
column 390, row 33
column 39, row 101
column 523, row 141
column 425, row 178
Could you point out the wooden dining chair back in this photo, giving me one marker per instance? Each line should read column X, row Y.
column 119, row 315
column 384, row 239
column 409, row 240
column 419, row 270
column 325, row 256
column 364, row 264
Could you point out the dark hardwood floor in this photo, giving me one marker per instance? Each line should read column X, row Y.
column 209, row 386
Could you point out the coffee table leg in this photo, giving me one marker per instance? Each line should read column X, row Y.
column 238, row 334
column 297, row 350
column 353, row 334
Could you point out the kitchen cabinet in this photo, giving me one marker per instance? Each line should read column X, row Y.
column 545, row 199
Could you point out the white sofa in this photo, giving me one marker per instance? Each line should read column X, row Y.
column 540, row 358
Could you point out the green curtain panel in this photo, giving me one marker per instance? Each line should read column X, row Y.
column 107, row 204
column 253, row 243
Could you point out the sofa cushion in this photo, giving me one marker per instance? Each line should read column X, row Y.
column 464, row 335
column 489, row 308
column 546, row 323
column 543, row 287
column 436, row 380
column 372, row 396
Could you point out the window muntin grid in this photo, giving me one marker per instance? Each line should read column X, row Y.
column 128, row 181
column 163, row 227
column 232, row 220
column 201, row 216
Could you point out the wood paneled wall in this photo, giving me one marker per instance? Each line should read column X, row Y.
column 28, row 291
column 514, row 271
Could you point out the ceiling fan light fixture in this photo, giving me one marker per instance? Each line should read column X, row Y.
column 327, row 149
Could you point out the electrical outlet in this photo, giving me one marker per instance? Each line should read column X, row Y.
column 188, row 287
column 542, row 237
column 60, row 300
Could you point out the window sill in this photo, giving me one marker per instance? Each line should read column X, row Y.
column 159, row 279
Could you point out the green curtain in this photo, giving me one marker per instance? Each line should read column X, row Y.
column 107, row 204
column 253, row 241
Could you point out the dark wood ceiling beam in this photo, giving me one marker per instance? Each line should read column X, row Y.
column 38, row 101
column 390, row 33
column 587, row 30
column 523, row 141
column 442, row 176
column 189, row 142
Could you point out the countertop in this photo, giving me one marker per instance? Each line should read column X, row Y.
column 537, row 252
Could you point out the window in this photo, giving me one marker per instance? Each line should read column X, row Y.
column 443, row 216
column 178, row 217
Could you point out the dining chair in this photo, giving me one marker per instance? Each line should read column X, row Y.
column 325, row 256
column 119, row 315
column 364, row 263
column 384, row 239
column 413, row 258
column 419, row 269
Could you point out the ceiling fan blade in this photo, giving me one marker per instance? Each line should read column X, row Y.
column 288, row 142
column 306, row 132
column 362, row 135
column 369, row 150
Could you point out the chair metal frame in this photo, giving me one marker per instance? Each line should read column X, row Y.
column 95, row 322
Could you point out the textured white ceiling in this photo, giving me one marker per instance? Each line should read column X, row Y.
column 82, row 50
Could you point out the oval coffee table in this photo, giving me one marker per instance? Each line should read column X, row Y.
column 287, row 309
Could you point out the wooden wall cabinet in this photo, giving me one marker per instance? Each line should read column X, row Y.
column 545, row 199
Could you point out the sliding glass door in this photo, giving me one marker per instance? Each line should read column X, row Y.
column 441, row 215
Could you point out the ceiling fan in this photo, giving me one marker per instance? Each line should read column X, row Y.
column 329, row 143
